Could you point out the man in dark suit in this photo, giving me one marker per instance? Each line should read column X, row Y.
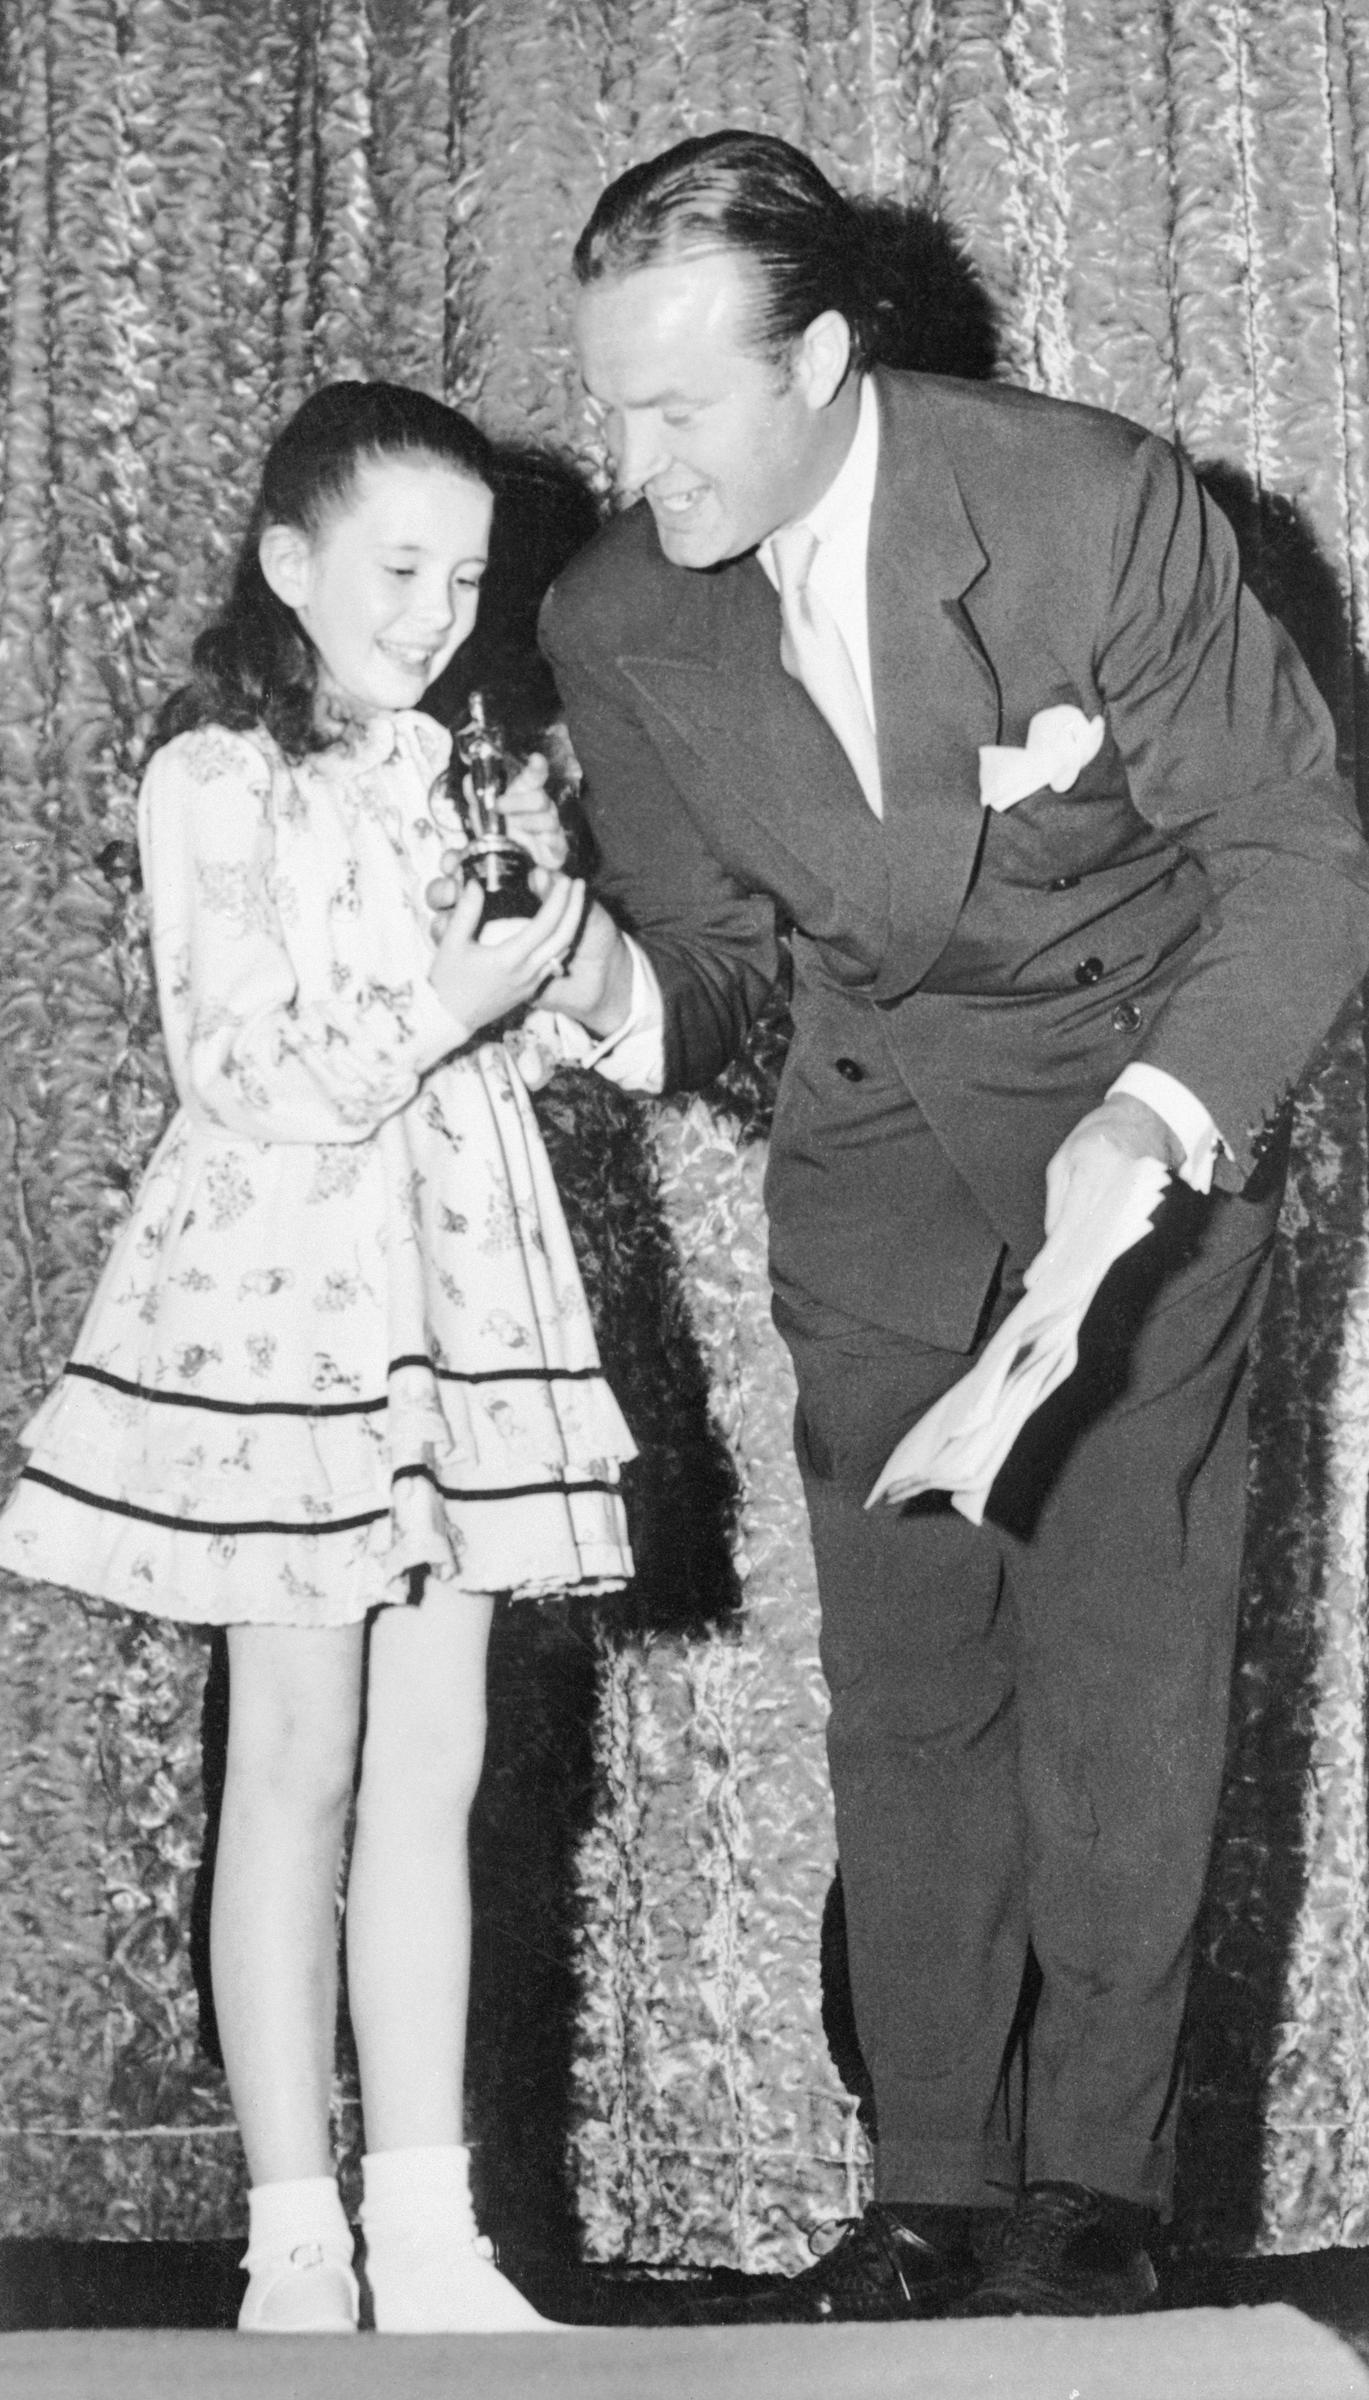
column 840, row 588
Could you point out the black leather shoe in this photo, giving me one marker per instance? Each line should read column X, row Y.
column 1067, row 2252
column 914, row 2261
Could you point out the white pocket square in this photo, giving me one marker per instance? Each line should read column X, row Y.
column 1060, row 742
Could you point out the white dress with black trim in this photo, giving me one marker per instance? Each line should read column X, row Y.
column 343, row 1333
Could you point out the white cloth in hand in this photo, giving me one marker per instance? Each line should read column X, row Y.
column 962, row 1441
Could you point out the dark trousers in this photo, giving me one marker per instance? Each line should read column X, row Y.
column 1028, row 1720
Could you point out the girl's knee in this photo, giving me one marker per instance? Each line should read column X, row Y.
column 428, row 1768
column 425, row 1707
column 307, row 1768
column 293, row 1703
column 302, row 1755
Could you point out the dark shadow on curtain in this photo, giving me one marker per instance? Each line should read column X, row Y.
column 1258, row 1873
column 937, row 318
column 544, row 511
column 213, row 1768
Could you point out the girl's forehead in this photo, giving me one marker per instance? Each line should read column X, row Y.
column 420, row 490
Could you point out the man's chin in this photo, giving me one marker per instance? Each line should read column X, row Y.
column 690, row 545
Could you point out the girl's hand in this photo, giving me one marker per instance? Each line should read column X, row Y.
column 479, row 981
column 529, row 812
column 444, row 891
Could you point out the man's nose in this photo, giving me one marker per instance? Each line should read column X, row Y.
column 639, row 450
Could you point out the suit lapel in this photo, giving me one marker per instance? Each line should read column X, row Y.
column 936, row 696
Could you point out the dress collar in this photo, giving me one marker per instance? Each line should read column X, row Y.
column 364, row 743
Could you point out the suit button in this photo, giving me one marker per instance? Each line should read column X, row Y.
column 1125, row 1017
column 1089, row 970
column 1063, row 883
column 852, row 1069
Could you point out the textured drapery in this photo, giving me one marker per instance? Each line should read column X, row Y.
column 203, row 210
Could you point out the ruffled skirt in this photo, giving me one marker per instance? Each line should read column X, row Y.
column 310, row 1371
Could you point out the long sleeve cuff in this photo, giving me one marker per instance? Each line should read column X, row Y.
column 633, row 1055
column 437, row 1031
column 1183, row 1113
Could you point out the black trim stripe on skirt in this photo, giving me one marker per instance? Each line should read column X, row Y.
column 372, row 1516
column 330, row 1408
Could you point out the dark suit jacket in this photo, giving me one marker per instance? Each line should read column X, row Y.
column 968, row 984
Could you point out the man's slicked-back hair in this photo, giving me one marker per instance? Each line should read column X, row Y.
column 759, row 197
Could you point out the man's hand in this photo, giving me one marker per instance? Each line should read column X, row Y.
column 596, row 986
column 1119, row 1123
column 530, row 814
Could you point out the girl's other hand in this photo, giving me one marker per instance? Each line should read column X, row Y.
column 480, row 981
column 444, row 891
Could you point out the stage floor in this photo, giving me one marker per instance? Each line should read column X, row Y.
column 135, row 2321
column 1264, row 2353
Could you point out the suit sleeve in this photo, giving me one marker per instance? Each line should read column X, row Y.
column 711, row 941
column 1230, row 751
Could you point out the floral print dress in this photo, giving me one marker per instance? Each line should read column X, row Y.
column 342, row 1335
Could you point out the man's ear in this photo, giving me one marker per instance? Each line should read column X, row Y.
column 822, row 358
column 284, row 554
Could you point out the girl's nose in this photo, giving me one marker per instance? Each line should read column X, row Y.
column 434, row 611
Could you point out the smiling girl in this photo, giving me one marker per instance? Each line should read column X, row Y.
column 337, row 1388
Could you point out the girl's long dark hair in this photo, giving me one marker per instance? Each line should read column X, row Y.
column 255, row 665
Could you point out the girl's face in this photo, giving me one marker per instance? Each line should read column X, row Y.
column 387, row 589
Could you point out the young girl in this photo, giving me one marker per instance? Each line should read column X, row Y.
column 338, row 1384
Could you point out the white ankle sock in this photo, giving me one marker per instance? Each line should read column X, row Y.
column 280, row 2215
column 418, row 2184
column 429, row 2269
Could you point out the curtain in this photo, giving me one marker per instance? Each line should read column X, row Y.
column 204, row 210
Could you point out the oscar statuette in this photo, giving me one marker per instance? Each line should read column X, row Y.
column 476, row 781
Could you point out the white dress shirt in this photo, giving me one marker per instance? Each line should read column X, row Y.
column 634, row 1055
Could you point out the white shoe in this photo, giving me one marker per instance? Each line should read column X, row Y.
column 430, row 2270
column 310, row 2289
column 432, row 2285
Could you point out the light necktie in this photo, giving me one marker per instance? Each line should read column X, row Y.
column 812, row 650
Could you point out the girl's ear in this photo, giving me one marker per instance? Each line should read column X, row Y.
column 284, row 554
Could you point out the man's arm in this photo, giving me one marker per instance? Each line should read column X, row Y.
column 711, row 944
column 1230, row 751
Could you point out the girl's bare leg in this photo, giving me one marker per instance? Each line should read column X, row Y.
column 408, row 1901
column 294, row 1697
column 408, row 1959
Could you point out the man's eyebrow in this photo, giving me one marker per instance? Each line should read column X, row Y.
column 674, row 396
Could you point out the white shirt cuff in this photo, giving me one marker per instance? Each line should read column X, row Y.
column 1183, row 1113
column 633, row 1055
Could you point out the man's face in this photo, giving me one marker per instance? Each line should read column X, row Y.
column 723, row 445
